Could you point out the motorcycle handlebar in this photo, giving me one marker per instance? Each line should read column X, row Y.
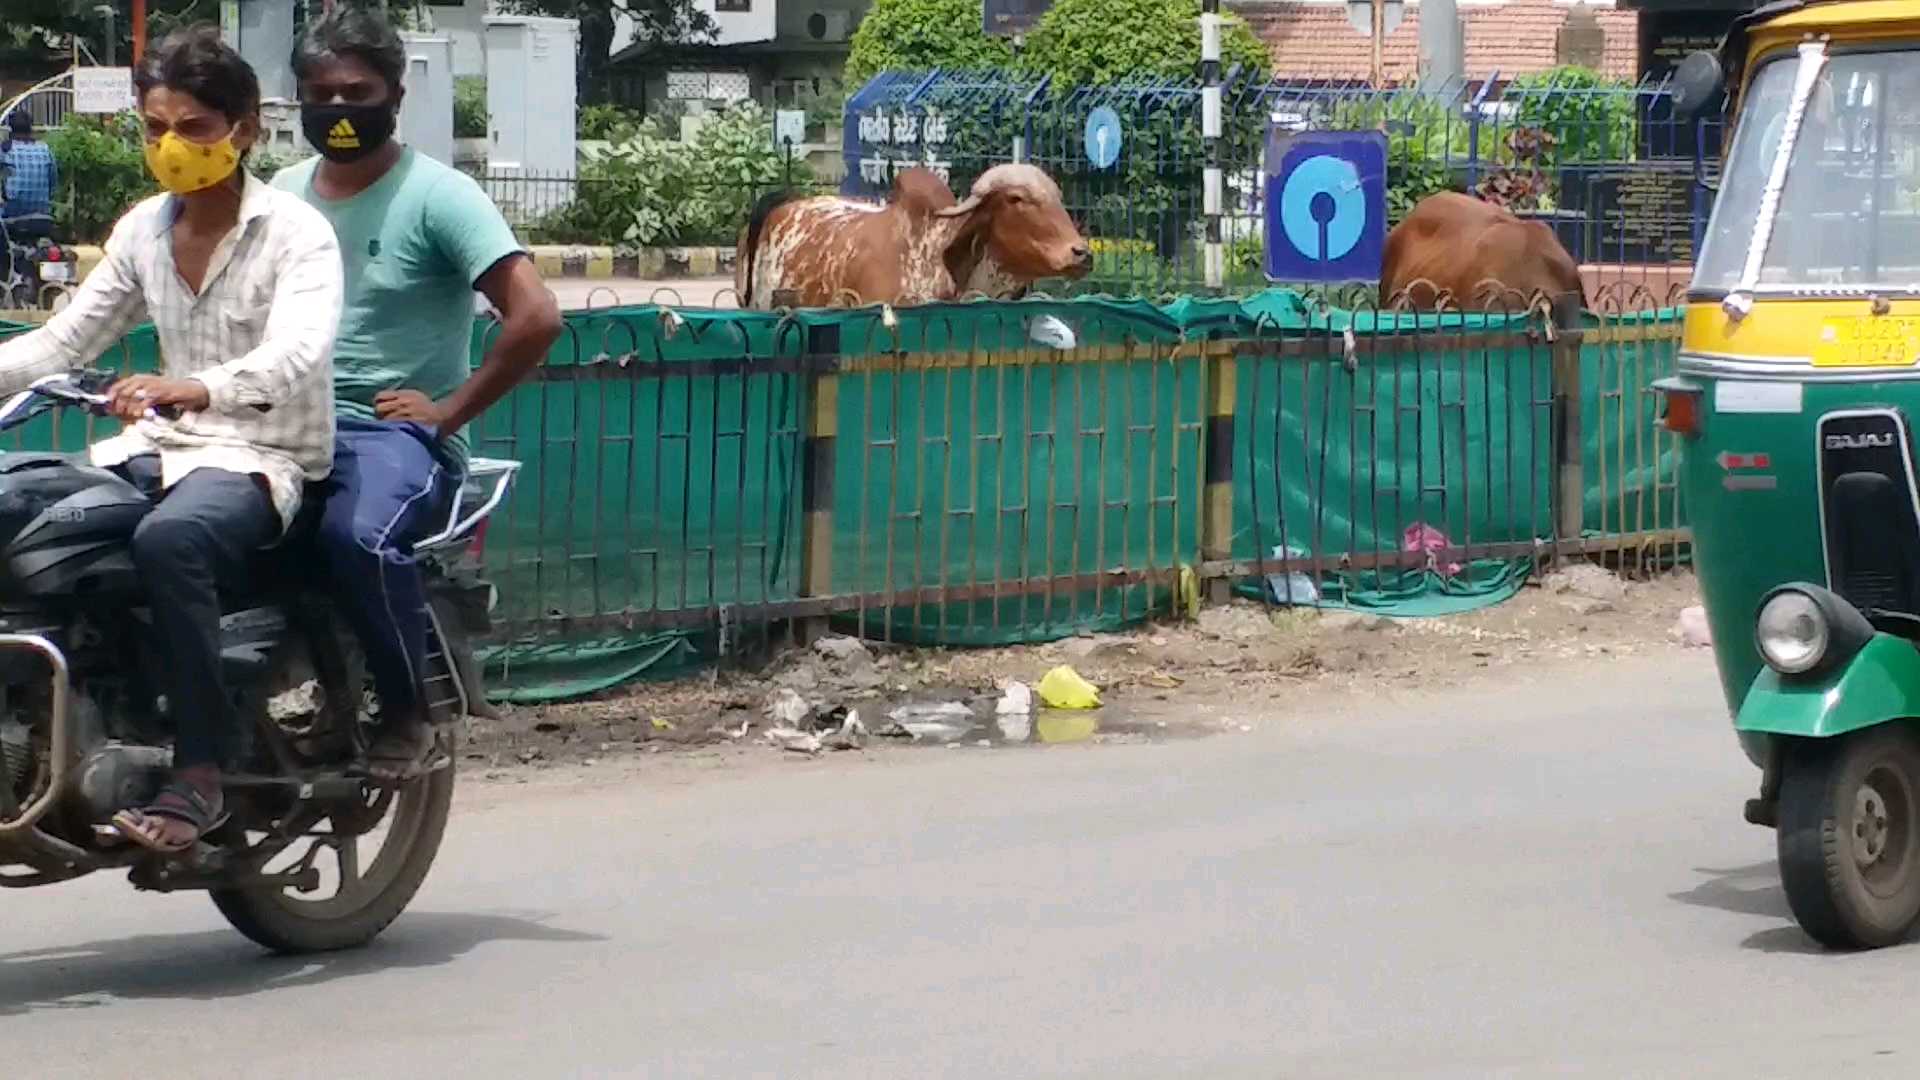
column 63, row 390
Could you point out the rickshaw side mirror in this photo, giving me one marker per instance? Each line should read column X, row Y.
column 1697, row 83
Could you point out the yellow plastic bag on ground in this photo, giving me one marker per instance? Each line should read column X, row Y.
column 1063, row 688
column 1065, row 727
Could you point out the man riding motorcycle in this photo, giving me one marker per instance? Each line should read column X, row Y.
column 418, row 239
column 243, row 284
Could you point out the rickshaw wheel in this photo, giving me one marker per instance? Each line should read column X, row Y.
column 1849, row 836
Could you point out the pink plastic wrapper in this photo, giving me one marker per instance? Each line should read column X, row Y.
column 1421, row 537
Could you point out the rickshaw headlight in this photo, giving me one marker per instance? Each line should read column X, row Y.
column 1793, row 632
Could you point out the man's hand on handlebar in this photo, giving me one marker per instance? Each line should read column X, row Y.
column 138, row 396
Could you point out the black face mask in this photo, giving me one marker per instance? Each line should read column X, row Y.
column 347, row 132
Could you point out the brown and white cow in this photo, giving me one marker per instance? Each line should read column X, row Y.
column 1483, row 255
column 921, row 245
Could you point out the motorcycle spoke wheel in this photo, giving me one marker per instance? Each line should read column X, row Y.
column 366, row 877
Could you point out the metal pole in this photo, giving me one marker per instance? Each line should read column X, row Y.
column 1210, row 133
column 139, row 29
column 1019, row 140
column 105, row 11
column 1379, row 43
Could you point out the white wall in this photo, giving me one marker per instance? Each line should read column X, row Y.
column 462, row 24
column 733, row 27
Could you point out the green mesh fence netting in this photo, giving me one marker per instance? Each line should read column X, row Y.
column 989, row 489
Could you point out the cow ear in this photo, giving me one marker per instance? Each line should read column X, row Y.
column 966, row 206
column 965, row 249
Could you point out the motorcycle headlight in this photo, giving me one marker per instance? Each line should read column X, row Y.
column 1793, row 632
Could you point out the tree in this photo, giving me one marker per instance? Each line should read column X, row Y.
column 654, row 21
column 920, row 35
column 61, row 21
column 1078, row 42
column 1089, row 42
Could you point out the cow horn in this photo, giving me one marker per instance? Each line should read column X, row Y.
column 965, row 206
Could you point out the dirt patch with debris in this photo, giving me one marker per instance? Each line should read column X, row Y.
column 847, row 694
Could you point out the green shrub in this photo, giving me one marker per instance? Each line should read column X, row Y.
column 600, row 121
column 649, row 188
column 1588, row 116
column 826, row 106
column 920, row 35
column 103, row 172
column 1098, row 42
column 1427, row 141
column 470, row 107
column 263, row 164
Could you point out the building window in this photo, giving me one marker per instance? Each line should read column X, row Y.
column 733, row 5
column 726, row 86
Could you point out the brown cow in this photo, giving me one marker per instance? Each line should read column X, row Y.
column 1483, row 255
column 922, row 245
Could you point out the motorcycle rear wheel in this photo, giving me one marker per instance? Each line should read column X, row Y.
column 367, row 899
column 1849, row 836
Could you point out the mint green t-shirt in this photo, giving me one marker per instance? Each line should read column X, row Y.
column 413, row 244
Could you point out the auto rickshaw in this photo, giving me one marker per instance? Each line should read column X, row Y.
column 1794, row 399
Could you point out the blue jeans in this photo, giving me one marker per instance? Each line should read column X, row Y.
column 392, row 486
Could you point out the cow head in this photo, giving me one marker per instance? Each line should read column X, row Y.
column 1015, row 217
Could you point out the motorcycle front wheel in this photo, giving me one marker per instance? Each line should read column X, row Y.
column 369, row 869
column 1849, row 836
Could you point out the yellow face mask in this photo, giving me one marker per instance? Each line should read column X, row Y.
column 184, row 167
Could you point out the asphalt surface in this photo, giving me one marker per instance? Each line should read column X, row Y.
column 1548, row 878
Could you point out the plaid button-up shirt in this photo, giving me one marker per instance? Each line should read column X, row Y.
column 31, row 176
column 259, row 335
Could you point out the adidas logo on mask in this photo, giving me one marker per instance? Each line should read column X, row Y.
column 341, row 136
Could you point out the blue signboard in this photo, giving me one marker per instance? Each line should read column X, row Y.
column 1326, row 205
column 1103, row 137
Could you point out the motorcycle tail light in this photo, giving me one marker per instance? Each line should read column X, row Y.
column 54, row 255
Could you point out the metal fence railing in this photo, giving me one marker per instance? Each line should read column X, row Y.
column 1610, row 168
column 942, row 479
column 594, row 205
column 1616, row 175
column 932, row 475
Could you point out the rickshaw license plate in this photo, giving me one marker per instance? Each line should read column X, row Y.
column 1868, row 341
column 56, row 272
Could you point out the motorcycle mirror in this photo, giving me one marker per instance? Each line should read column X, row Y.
column 1697, row 82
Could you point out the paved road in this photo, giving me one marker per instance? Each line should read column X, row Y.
column 1550, row 879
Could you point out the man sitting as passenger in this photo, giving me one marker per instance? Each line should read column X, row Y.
column 418, row 238
column 243, row 284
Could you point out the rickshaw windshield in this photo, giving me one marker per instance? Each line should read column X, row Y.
column 1849, row 212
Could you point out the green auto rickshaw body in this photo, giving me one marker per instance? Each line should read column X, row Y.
column 1879, row 683
column 1752, row 482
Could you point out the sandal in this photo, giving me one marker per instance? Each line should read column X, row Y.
column 178, row 802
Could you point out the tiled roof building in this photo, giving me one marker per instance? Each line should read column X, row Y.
column 1312, row 38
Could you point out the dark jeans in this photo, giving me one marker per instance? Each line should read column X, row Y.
column 197, row 541
column 392, row 486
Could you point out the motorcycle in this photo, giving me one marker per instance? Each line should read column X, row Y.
column 38, row 273
column 1797, row 379
column 314, row 855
